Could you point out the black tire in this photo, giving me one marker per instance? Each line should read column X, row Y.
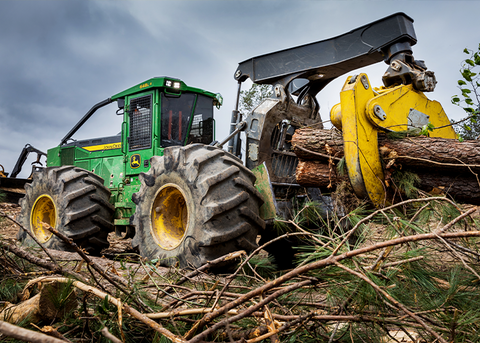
column 206, row 202
column 76, row 200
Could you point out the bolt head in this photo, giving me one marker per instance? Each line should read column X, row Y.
column 396, row 66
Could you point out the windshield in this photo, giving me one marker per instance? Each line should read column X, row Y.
column 178, row 115
column 202, row 123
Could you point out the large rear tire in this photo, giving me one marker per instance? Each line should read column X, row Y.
column 72, row 200
column 196, row 203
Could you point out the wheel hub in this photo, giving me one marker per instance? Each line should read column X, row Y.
column 169, row 216
column 43, row 211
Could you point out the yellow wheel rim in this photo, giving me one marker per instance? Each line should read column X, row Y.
column 43, row 210
column 169, row 217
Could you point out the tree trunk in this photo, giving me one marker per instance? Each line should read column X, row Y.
column 462, row 187
column 318, row 174
column 43, row 306
column 421, row 152
column 443, row 165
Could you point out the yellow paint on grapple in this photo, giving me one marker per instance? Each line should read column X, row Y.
column 397, row 102
column 362, row 113
column 360, row 141
column 169, row 217
column 43, row 211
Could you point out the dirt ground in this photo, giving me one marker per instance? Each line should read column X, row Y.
column 118, row 247
column 8, row 230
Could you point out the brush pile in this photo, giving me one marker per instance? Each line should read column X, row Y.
column 405, row 273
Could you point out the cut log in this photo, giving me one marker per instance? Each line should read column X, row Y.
column 444, row 165
column 463, row 187
column 47, row 305
column 306, row 142
column 318, row 174
column 419, row 152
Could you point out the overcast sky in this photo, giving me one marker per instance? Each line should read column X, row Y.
column 59, row 58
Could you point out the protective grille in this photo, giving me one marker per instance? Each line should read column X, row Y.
column 284, row 165
column 284, row 162
column 140, row 113
column 67, row 156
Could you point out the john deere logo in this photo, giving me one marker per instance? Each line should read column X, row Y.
column 135, row 161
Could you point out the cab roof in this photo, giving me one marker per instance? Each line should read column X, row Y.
column 172, row 84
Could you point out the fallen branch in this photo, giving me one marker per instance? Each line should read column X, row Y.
column 105, row 333
column 126, row 308
column 253, row 253
column 17, row 332
column 52, row 332
column 367, row 218
column 206, row 266
column 113, row 279
column 280, row 329
column 32, row 236
column 393, row 301
column 55, row 268
column 40, row 307
column 332, row 259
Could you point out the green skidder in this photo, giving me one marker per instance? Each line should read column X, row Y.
column 158, row 181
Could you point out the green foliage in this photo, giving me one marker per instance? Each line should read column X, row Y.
column 104, row 306
column 342, row 167
column 9, row 290
column 261, row 265
column 469, row 96
column 426, row 129
column 3, row 196
column 249, row 99
column 423, row 276
column 61, row 296
column 406, row 181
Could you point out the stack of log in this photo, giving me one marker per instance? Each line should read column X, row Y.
column 444, row 166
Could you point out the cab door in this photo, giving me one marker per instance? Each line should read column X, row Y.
column 140, row 118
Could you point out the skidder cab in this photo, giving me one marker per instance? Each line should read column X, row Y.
column 157, row 181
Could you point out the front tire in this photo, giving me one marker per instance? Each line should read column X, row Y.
column 196, row 203
column 72, row 200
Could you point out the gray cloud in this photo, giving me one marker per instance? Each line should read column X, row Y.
column 58, row 58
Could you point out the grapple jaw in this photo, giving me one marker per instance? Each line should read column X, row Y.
column 363, row 112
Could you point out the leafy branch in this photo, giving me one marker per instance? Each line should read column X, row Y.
column 469, row 98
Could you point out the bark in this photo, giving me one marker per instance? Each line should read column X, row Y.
column 17, row 332
column 117, row 302
column 109, row 336
column 316, row 141
column 318, row 174
column 444, row 166
column 52, row 332
column 419, row 152
column 463, row 187
column 40, row 307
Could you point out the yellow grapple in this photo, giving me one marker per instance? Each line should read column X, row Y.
column 364, row 111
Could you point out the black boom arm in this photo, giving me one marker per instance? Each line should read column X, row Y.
column 84, row 119
column 323, row 61
column 27, row 149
